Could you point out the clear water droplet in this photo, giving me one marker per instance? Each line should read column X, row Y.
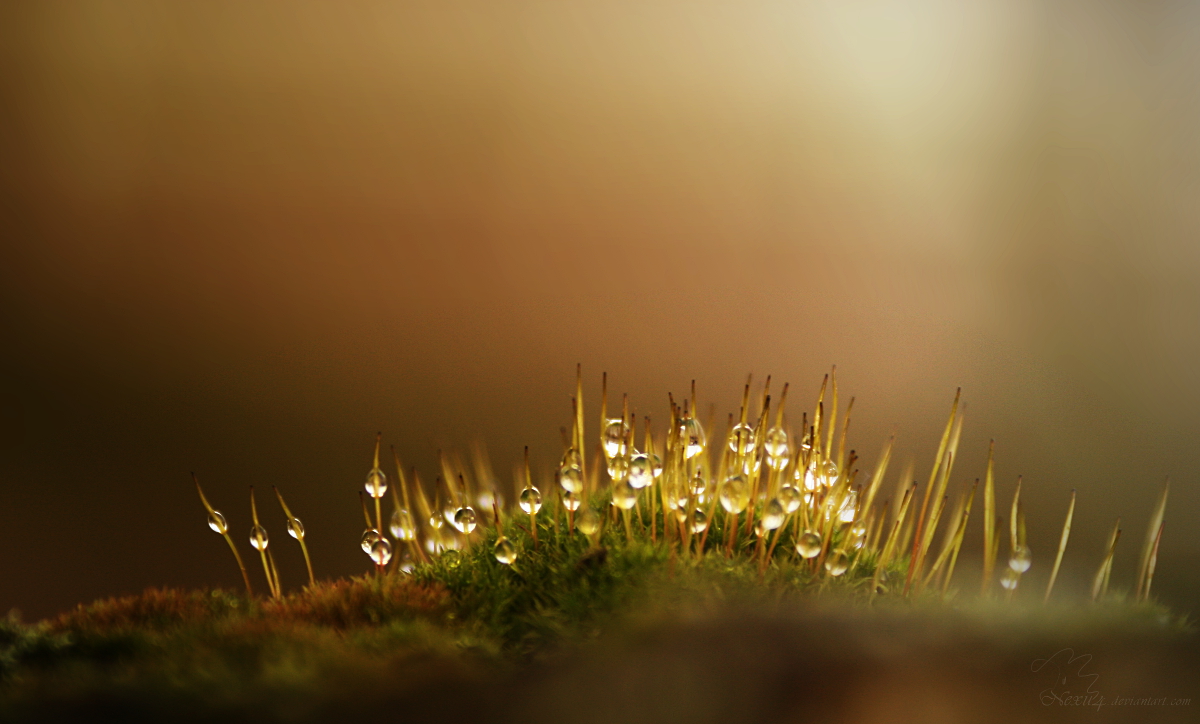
column 624, row 495
column 381, row 551
column 436, row 522
column 295, row 528
column 1010, row 579
column 848, row 509
column 677, row 497
column 773, row 514
column 217, row 522
column 402, row 525
column 376, row 483
column 570, row 477
column 776, row 445
column 699, row 484
column 640, row 471
column 734, row 494
column 571, row 459
column 570, row 500
column 616, row 432
column 259, row 538
column 699, row 521
column 587, row 522
column 531, row 500
column 369, row 536
column 692, row 435
column 618, row 467
column 451, row 557
column 741, row 439
column 1021, row 559
column 837, row 562
column 809, row 545
column 791, row 498
column 656, row 465
column 464, row 519
column 857, row 535
column 505, row 551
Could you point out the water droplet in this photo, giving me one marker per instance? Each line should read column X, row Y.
column 640, row 473
column 791, row 497
column 677, row 497
column 776, row 445
column 369, row 536
column 624, row 495
column 656, row 465
column 531, row 500
column 505, row 551
column 587, row 522
column 699, row 521
column 829, row 473
column 1021, row 560
column 857, row 535
column 258, row 538
column 451, row 557
column 436, row 522
column 381, row 552
column 570, row 500
column 571, row 459
column 692, row 435
column 773, row 514
column 618, row 467
column 616, row 432
column 1010, row 579
column 741, row 439
column 376, row 483
column 217, row 522
column 699, row 484
column 808, row 545
column 295, row 528
column 848, row 509
column 402, row 525
column 570, row 477
column 464, row 519
column 735, row 494
column 837, row 563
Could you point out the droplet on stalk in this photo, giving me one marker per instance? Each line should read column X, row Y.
column 381, row 551
column 624, row 495
column 618, row 467
column 217, row 522
column 699, row 484
column 857, row 535
column 258, row 538
column 699, row 521
column 376, row 483
column 614, row 436
column 587, row 522
column 531, row 500
column 776, row 445
column 451, row 557
column 436, row 522
column 1021, row 559
column 692, row 435
column 570, row 500
column 464, row 519
column 505, row 551
column 837, row 563
column 1010, row 579
column 741, row 439
column 809, row 545
column 656, row 466
column 295, row 528
column 848, row 509
column 791, row 497
column 773, row 514
column 734, row 494
column 402, row 525
column 570, row 477
column 640, row 472
column 369, row 536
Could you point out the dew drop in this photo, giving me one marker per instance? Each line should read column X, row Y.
column 776, row 445
column 616, row 432
column 295, row 528
column 381, row 552
column 699, row 521
column 570, row 500
column 692, row 435
column 837, row 563
column 464, row 519
column 505, row 551
column 369, row 536
column 570, row 477
column 217, row 522
column 1010, row 579
column 791, row 497
column 531, row 500
column 656, row 465
column 640, row 473
column 436, row 522
column 773, row 514
column 857, row 535
column 402, row 525
column 618, row 467
column 451, row 557
column 1021, row 560
column 848, row 509
column 699, row 484
column 376, row 483
column 808, row 545
column 587, row 522
column 624, row 495
column 741, row 439
column 258, row 538
column 734, row 494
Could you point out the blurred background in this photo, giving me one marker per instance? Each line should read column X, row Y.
column 240, row 238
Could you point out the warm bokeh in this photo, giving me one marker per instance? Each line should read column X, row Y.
column 239, row 238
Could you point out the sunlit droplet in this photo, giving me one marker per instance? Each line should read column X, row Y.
column 640, row 473
column 464, row 519
column 376, row 483
column 570, row 500
column 1010, row 579
column 587, row 522
column 616, row 432
column 570, row 477
column 258, row 538
column 295, row 528
column 1021, row 559
column 808, row 545
column 857, row 535
column 837, row 563
column 741, row 439
column 773, row 514
column 656, row 465
column 692, row 435
column 791, row 498
column 531, row 500
column 624, row 495
column 699, row 485
column 848, row 509
column 369, row 536
column 451, row 557
column 505, row 551
column 217, row 522
column 776, row 445
column 381, row 552
column 734, row 494
column 402, row 525
column 618, row 467
column 699, row 521
column 436, row 522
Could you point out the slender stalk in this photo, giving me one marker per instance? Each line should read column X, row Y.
column 1156, row 521
column 1062, row 547
column 1151, row 563
column 293, row 520
column 225, row 534
column 1100, row 583
column 989, row 522
column 262, row 551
